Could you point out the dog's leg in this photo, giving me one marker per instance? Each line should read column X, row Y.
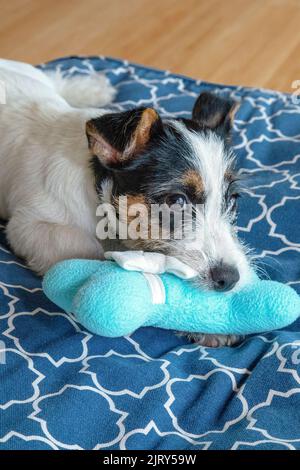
column 83, row 91
column 43, row 244
column 212, row 341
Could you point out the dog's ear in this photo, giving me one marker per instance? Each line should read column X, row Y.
column 118, row 138
column 214, row 112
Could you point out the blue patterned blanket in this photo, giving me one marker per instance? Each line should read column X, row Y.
column 63, row 388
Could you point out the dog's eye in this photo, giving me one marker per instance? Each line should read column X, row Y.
column 176, row 199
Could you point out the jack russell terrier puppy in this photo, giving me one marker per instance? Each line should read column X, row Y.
column 62, row 153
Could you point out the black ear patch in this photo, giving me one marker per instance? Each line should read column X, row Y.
column 117, row 138
column 214, row 112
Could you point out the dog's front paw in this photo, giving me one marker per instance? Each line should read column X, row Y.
column 212, row 341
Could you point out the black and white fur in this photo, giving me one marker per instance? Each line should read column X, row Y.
column 60, row 156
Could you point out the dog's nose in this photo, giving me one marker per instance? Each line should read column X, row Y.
column 224, row 277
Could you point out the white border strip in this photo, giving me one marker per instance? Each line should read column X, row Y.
column 157, row 288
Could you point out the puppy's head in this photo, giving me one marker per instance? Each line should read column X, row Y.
column 181, row 167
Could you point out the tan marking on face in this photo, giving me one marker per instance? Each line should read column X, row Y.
column 141, row 209
column 136, row 199
column 193, row 180
column 132, row 200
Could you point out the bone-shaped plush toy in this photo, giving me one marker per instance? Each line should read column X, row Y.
column 111, row 301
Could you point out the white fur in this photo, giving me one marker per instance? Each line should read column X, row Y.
column 46, row 186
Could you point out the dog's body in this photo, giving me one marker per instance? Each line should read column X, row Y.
column 47, row 189
column 48, row 186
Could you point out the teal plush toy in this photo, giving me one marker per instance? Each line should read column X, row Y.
column 111, row 301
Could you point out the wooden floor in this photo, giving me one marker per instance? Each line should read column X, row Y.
column 246, row 42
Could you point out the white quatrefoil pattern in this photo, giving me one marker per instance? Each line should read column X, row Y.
column 63, row 388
